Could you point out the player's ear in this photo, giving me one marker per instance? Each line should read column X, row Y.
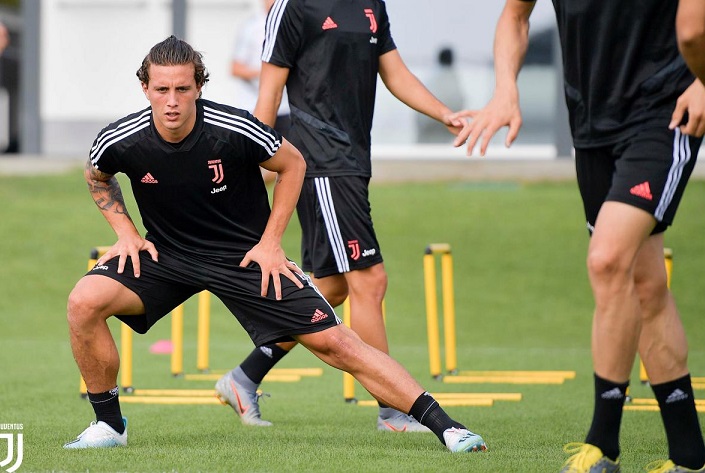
column 144, row 89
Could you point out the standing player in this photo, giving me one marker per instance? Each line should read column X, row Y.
column 628, row 91
column 194, row 169
column 245, row 67
column 328, row 54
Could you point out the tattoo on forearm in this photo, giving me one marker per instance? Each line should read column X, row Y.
column 105, row 191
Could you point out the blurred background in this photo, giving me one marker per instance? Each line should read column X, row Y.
column 69, row 68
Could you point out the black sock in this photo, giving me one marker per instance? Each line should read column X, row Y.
column 107, row 408
column 685, row 439
column 427, row 411
column 607, row 417
column 261, row 360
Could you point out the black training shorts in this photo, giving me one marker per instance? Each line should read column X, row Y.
column 649, row 171
column 337, row 235
column 164, row 285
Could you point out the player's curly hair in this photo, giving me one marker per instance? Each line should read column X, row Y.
column 173, row 52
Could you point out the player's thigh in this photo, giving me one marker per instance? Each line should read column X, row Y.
column 619, row 233
column 161, row 287
column 333, row 344
column 100, row 295
column 652, row 171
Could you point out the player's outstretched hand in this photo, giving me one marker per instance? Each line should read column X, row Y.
column 273, row 262
column 129, row 247
column 455, row 123
column 692, row 102
column 502, row 110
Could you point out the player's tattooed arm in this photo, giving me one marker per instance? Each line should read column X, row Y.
column 105, row 190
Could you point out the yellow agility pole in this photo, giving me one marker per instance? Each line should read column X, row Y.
column 449, row 312
column 668, row 261
column 434, row 342
column 204, row 320
column 432, row 324
column 348, row 379
column 177, row 341
column 126, row 358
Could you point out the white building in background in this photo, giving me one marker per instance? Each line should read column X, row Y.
column 91, row 49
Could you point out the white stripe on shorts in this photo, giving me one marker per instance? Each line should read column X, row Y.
column 331, row 222
column 681, row 157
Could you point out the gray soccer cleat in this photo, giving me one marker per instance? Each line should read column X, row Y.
column 392, row 420
column 245, row 403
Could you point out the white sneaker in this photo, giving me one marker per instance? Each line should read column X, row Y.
column 99, row 435
column 462, row 440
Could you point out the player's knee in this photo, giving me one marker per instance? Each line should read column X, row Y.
column 333, row 288
column 337, row 297
column 339, row 346
column 81, row 308
column 604, row 264
column 379, row 284
column 336, row 293
column 653, row 295
column 372, row 285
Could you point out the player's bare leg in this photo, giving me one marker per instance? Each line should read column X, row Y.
column 93, row 300
column 620, row 232
column 663, row 346
column 366, row 289
column 389, row 383
column 634, row 310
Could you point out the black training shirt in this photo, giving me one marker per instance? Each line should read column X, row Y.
column 622, row 67
column 204, row 196
column 332, row 49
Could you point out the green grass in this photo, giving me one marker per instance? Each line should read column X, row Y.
column 522, row 302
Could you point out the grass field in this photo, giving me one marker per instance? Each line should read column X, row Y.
column 522, row 302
